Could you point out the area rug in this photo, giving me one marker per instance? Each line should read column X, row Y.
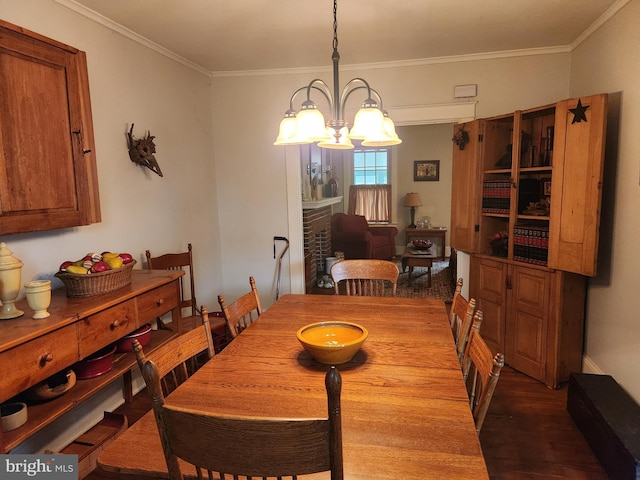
column 441, row 282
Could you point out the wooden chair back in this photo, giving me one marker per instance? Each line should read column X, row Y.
column 178, row 261
column 249, row 447
column 176, row 360
column 367, row 277
column 241, row 313
column 461, row 318
column 481, row 370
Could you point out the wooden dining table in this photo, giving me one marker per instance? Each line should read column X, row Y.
column 405, row 410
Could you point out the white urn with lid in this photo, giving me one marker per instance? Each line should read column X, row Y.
column 10, row 273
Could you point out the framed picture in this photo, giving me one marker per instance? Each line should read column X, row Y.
column 547, row 188
column 426, row 170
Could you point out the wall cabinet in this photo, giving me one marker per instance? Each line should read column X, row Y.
column 78, row 327
column 48, row 175
column 526, row 205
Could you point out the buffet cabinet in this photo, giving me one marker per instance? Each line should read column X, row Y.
column 33, row 350
column 526, row 206
column 48, row 174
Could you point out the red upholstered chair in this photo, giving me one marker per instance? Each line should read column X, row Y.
column 352, row 235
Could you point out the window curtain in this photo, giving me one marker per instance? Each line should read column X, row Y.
column 372, row 201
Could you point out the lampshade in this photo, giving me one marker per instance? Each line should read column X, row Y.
column 412, row 200
column 368, row 123
column 288, row 131
column 343, row 143
column 311, row 123
column 390, row 136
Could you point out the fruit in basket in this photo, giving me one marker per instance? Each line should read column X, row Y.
column 126, row 258
column 77, row 270
column 114, row 263
column 64, row 265
column 100, row 266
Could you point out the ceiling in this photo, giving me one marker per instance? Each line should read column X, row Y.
column 239, row 35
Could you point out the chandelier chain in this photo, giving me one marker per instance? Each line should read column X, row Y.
column 335, row 25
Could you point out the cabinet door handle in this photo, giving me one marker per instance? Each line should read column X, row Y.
column 509, row 284
column 46, row 358
column 115, row 324
column 160, row 302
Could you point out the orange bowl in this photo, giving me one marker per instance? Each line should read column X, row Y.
column 334, row 342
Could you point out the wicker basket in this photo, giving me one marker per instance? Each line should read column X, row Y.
column 96, row 283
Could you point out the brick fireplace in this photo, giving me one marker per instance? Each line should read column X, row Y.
column 316, row 223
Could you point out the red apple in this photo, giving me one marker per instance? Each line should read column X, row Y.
column 64, row 265
column 126, row 258
column 100, row 267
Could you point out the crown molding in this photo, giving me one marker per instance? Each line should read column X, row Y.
column 606, row 16
column 116, row 27
column 110, row 24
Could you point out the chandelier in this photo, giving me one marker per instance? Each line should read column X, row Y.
column 371, row 124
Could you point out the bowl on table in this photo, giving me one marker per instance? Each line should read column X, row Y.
column 422, row 244
column 332, row 342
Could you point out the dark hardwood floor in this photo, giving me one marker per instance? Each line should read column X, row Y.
column 528, row 433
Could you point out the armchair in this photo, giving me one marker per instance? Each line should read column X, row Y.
column 352, row 235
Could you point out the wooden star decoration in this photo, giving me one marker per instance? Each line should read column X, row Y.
column 579, row 113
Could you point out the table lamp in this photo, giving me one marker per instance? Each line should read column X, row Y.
column 412, row 200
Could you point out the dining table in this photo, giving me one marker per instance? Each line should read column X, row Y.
column 405, row 408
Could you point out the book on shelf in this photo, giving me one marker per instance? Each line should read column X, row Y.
column 496, row 196
column 531, row 244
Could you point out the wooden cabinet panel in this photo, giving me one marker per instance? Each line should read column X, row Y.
column 576, row 189
column 464, row 192
column 48, row 174
column 36, row 360
column 529, row 319
column 488, row 287
column 103, row 328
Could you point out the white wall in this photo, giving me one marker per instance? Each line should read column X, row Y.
column 608, row 62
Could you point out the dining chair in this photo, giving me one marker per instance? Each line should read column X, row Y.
column 367, row 277
column 176, row 360
column 178, row 261
column 244, row 311
column 480, row 370
column 184, row 261
column 461, row 318
column 248, row 447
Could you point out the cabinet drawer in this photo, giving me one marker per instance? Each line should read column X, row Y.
column 157, row 302
column 38, row 359
column 103, row 328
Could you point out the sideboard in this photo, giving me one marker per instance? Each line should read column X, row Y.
column 33, row 350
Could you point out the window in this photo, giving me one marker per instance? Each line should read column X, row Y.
column 370, row 194
column 370, row 166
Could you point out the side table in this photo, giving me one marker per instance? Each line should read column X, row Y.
column 438, row 234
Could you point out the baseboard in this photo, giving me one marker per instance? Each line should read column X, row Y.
column 589, row 366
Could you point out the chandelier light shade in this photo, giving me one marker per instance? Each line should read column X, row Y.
column 371, row 124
